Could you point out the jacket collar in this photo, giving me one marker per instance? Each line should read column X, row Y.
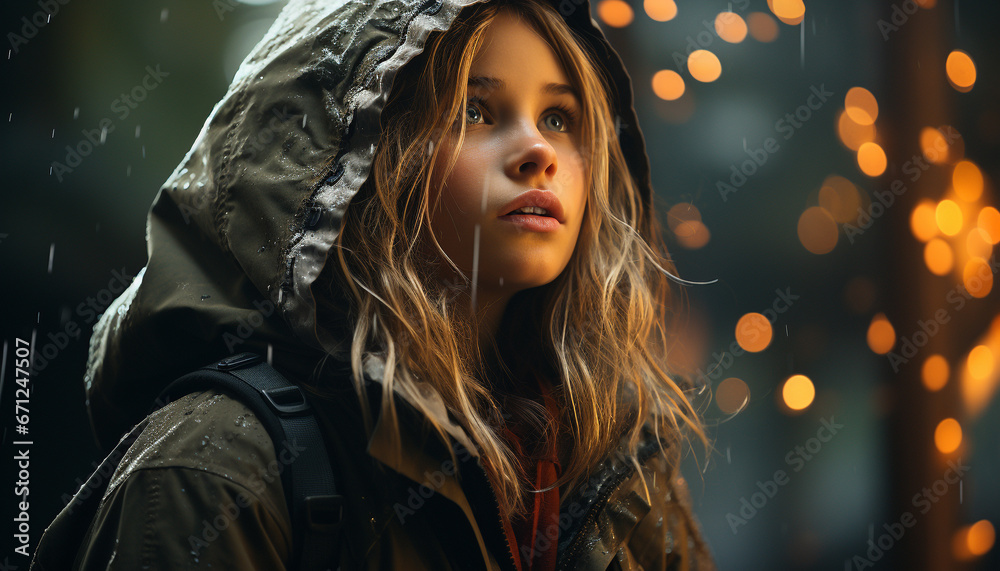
column 600, row 513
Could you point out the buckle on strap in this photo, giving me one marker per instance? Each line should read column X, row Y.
column 286, row 400
column 324, row 513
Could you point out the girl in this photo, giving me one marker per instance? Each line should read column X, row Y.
column 437, row 219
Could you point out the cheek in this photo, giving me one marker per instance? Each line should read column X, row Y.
column 574, row 183
column 462, row 193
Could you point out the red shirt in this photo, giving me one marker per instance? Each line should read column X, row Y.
column 535, row 535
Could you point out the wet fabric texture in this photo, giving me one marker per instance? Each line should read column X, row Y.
column 237, row 236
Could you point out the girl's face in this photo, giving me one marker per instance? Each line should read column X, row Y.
column 521, row 136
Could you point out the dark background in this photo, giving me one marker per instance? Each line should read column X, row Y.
column 62, row 240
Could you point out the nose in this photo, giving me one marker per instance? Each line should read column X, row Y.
column 533, row 156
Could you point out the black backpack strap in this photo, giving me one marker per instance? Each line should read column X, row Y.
column 282, row 407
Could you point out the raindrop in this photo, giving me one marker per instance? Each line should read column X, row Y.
column 76, row 113
column 802, row 45
column 144, row 151
column 53, row 133
column 163, row 18
column 128, row 171
column 137, row 129
column 187, row 185
column 52, row 253
column 304, row 120
column 104, row 134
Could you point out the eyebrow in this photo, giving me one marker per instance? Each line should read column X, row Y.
column 493, row 83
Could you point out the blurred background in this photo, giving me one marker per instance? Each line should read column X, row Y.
column 831, row 164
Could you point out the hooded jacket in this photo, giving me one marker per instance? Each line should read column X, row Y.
column 237, row 236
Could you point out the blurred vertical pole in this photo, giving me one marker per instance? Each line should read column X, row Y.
column 918, row 95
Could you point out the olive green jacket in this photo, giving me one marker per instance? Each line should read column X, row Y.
column 236, row 237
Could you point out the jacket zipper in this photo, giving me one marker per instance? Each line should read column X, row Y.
column 499, row 514
column 575, row 545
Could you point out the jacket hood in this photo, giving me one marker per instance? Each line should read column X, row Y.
column 240, row 231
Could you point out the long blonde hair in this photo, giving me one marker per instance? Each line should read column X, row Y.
column 598, row 332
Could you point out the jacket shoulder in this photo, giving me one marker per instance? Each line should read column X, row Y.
column 199, row 488
column 212, row 433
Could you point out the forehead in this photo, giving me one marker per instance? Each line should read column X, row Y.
column 516, row 55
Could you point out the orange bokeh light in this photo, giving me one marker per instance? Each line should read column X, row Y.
column 881, row 335
column 980, row 362
column 934, row 373
column 692, row 234
column 753, row 332
column 762, row 27
column 871, row 159
column 938, row 257
column 615, row 13
column 861, row 106
column 948, row 435
column 660, row 10
column 852, row 134
column 732, row 395
column 798, row 392
column 967, row 180
column 977, row 277
column 922, row 222
column 961, row 70
column 989, row 222
column 817, row 230
column 730, row 27
column 948, row 216
column 704, row 66
column 668, row 84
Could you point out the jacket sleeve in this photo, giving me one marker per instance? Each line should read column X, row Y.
column 183, row 518
column 199, row 489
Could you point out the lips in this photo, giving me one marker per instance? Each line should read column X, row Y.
column 539, row 198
